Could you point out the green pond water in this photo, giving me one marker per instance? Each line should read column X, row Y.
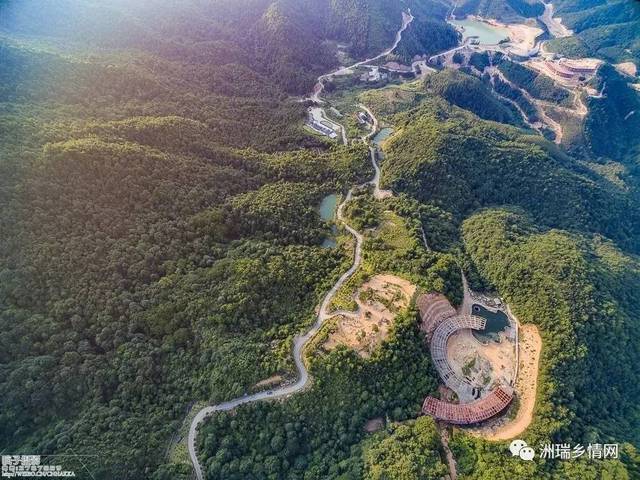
column 328, row 207
column 327, row 211
column 496, row 323
column 329, row 242
column 382, row 135
column 487, row 34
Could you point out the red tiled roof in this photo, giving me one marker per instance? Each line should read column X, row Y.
column 467, row 413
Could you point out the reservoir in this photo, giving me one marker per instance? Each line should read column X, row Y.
column 486, row 33
column 382, row 135
column 328, row 207
column 327, row 212
column 496, row 322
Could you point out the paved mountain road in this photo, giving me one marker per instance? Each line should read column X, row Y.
column 300, row 341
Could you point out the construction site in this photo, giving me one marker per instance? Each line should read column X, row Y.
column 478, row 372
column 565, row 71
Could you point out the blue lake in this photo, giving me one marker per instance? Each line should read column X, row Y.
column 382, row 135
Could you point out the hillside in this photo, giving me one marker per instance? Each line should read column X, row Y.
column 163, row 244
column 469, row 93
column 449, row 158
column 559, row 243
column 506, row 11
column 606, row 29
column 617, row 109
column 153, row 178
column 580, row 292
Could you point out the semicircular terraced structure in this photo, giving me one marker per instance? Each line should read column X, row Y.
column 438, row 347
column 439, row 322
column 467, row 413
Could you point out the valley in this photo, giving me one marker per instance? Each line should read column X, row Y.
column 319, row 239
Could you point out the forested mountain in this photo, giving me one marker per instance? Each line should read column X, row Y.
column 448, row 157
column 581, row 292
column 319, row 433
column 160, row 240
column 469, row 93
column 504, row 10
column 617, row 108
column 606, row 29
column 161, row 244
column 560, row 243
column 283, row 40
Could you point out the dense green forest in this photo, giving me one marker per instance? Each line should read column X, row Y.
column 136, row 279
column 617, row 109
column 427, row 35
column 504, row 10
column 446, row 156
column 469, row 93
column 607, row 29
column 160, row 240
column 319, row 434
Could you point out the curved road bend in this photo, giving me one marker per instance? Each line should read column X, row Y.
column 378, row 194
column 299, row 342
column 407, row 18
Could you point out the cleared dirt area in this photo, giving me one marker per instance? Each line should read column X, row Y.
column 483, row 364
column 379, row 300
column 507, row 427
column 523, row 37
column 374, row 425
column 268, row 382
column 628, row 68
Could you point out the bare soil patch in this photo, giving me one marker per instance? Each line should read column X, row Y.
column 523, row 37
column 268, row 382
column 628, row 68
column 485, row 365
column 505, row 428
column 379, row 300
column 374, row 425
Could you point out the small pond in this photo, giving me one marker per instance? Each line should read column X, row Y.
column 328, row 207
column 327, row 212
column 382, row 135
column 496, row 322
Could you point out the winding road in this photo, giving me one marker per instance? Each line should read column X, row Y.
column 378, row 194
column 300, row 341
column 407, row 18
